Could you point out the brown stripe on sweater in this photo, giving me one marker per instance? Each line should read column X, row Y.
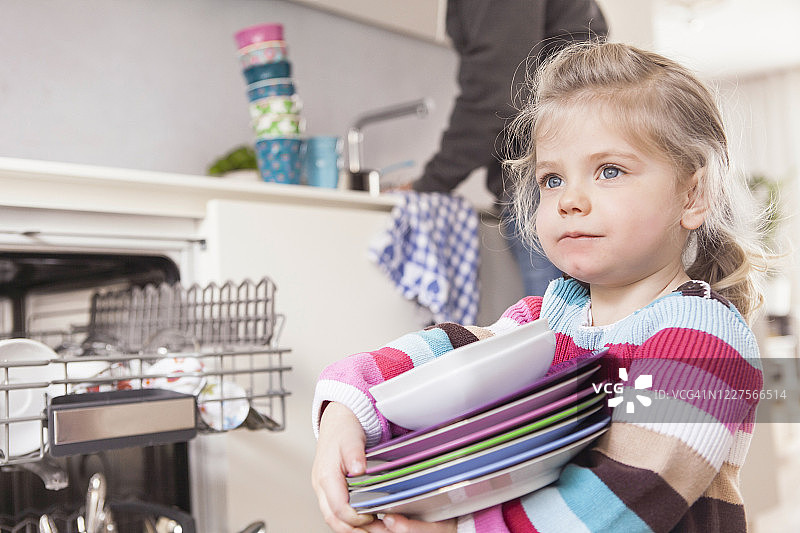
column 459, row 335
column 709, row 515
column 686, row 471
column 725, row 486
column 481, row 333
column 644, row 492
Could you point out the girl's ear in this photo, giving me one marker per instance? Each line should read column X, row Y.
column 695, row 204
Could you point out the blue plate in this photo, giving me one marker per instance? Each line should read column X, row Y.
column 558, row 373
column 484, row 452
column 490, row 489
column 470, row 470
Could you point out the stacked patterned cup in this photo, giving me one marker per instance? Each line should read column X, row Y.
column 274, row 106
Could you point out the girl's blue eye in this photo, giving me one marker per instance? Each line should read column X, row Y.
column 611, row 172
column 552, row 181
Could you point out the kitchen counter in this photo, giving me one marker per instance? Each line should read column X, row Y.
column 68, row 186
column 312, row 242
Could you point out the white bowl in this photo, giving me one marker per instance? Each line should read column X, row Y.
column 24, row 437
column 456, row 359
column 463, row 388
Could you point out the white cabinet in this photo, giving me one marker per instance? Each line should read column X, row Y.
column 418, row 18
column 336, row 303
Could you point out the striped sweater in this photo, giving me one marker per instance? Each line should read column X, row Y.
column 673, row 468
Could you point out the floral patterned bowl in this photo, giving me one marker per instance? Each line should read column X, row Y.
column 263, row 53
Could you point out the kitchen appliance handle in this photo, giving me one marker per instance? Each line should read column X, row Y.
column 35, row 234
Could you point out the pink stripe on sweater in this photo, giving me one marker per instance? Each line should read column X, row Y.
column 695, row 387
column 566, row 348
column 358, row 370
column 392, row 362
column 490, row 520
column 516, row 518
column 710, row 354
column 526, row 310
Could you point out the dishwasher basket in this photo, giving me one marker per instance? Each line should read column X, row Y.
column 156, row 364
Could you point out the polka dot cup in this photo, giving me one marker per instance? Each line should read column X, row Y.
column 279, row 160
column 269, row 88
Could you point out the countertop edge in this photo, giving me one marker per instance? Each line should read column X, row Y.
column 69, row 186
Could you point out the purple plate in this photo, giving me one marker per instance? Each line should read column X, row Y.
column 479, row 433
column 525, row 437
column 558, row 373
column 464, row 497
column 471, row 470
column 525, row 409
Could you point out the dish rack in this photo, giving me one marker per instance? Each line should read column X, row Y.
column 155, row 364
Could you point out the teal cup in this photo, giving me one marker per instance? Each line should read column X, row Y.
column 322, row 161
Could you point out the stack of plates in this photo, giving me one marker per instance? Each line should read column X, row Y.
column 508, row 447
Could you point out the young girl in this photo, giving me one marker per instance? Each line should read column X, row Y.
column 638, row 208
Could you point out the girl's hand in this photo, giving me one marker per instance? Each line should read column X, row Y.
column 395, row 523
column 340, row 451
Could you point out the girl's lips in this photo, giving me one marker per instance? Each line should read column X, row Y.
column 577, row 235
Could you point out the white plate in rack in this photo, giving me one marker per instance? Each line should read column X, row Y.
column 223, row 404
column 25, row 437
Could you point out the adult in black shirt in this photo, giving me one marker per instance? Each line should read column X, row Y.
column 495, row 40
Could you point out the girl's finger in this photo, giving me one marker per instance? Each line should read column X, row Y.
column 334, row 504
column 337, row 502
column 354, row 459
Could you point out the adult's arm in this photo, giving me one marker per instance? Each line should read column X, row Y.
column 494, row 39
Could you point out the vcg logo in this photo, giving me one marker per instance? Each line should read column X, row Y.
column 645, row 381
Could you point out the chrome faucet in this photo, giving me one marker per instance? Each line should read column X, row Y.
column 363, row 179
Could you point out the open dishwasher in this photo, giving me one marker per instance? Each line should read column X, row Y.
column 108, row 367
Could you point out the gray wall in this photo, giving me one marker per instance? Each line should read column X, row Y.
column 156, row 85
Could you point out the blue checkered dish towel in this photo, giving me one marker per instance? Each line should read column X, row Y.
column 430, row 251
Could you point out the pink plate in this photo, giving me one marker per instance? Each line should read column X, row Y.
column 481, row 434
column 559, row 372
column 460, row 432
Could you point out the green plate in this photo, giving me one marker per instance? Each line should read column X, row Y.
column 540, row 424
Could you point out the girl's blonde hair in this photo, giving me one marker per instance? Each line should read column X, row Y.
column 667, row 111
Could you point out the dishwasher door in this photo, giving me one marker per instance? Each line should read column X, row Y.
column 129, row 314
column 46, row 296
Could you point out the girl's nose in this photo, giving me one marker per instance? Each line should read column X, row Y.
column 573, row 201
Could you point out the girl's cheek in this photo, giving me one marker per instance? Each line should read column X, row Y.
column 542, row 226
column 545, row 232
